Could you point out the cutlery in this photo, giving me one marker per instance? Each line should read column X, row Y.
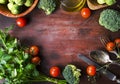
column 104, row 40
column 106, row 73
column 102, row 57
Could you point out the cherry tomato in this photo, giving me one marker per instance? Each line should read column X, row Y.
column 85, row 12
column 110, row 46
column 34, row 50
column 21, row 22
column 36, row 60
column 117, row 41
column 91, row 70
column 54, row 71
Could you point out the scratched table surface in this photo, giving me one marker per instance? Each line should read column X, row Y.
column 61, row 36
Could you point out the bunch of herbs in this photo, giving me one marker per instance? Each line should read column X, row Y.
column 15, row 64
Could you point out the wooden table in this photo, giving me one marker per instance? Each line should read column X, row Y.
column 61, row 36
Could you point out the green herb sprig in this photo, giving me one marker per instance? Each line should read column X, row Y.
column 15, row 64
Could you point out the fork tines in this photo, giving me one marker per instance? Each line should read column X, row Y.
column 104, row 40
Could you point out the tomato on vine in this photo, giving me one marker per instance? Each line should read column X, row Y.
column 117, row 42
column 110, row 46
column 54, row 71
column 36, row 60
column 34, row 50
column 91, row 70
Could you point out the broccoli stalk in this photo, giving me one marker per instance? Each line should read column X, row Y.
column 110, row 19
column 71, row 74
column 47, row 5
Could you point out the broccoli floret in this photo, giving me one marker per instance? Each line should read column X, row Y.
column 47, row 5
column 20, row 2
column 110, row 2
column 110, row 19
column 3, row 1
column 28, row 3
column 101, row 1
column 71, row 74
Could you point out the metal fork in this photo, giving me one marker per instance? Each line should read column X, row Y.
column 104, row 40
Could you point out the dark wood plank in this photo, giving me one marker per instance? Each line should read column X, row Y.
column 61, row 36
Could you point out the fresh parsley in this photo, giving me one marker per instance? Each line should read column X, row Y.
column 15, row 64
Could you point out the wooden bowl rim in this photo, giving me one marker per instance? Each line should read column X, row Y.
column 21, row 14
column 93, row 5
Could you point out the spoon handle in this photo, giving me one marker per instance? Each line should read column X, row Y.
column 118, row 81
column 116, row 62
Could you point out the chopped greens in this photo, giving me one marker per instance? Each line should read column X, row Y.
column 15, row 64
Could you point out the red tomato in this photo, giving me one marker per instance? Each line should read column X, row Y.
column 110, row 46
column 117, row 41
column 36, row 60
column 34, row 50
column 21, row 22
column 85, row 12
column 54, row 71
column 91, row 70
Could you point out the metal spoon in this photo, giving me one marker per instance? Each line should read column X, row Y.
column 101, row 57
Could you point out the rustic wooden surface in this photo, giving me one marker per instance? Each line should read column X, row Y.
column 61, row 36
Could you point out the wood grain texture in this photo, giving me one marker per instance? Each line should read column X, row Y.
column 61, row 36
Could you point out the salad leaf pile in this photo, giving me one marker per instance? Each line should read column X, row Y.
column 15, row 63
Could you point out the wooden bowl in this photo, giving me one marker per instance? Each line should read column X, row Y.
column 93, row 5
column 6, row 12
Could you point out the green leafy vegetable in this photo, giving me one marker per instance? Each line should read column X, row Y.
column 110, row 19
column 72, row 74
column 47, row 5
column 15, row 64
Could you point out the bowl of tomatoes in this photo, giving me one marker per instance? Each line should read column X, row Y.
column 17, row 8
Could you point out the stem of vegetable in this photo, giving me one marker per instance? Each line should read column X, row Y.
column 43, row 78
column 3, row 42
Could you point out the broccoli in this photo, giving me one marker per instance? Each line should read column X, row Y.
column 110, row 19
column 28, row 3
column 20, row 2
column 47, row 5
column 101, row 1
column 3, row 1
column 108, row 2
column 71, row 74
